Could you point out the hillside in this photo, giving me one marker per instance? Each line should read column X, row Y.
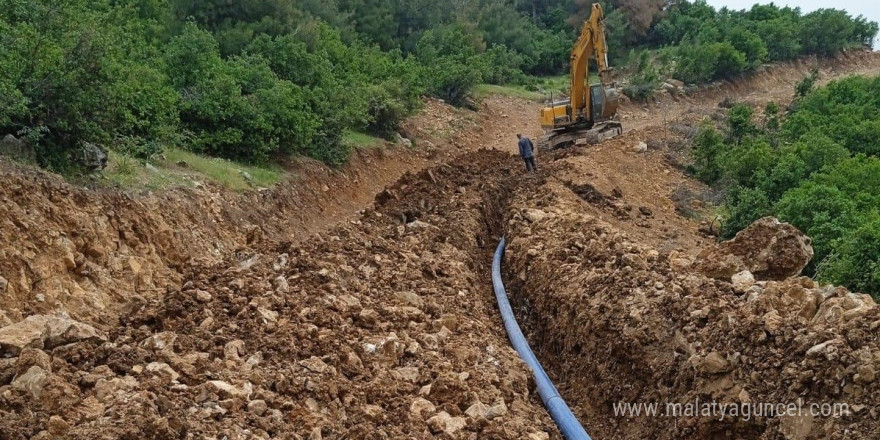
column 356, row 303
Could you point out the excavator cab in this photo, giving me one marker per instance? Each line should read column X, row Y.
column 604, row 102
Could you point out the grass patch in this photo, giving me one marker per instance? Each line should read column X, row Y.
column 356, row 139
column 225, row 172
column 127, row 172
column 484, row 90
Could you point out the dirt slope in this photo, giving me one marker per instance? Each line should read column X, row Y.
column 617, row 321
column 370, row 330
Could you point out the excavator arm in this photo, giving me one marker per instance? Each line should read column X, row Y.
column 590, row 43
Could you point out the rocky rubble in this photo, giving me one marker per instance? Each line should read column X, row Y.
column 618, row 322
column 768, row 249
column 374, row 330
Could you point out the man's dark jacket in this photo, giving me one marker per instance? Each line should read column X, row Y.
column 526, row 148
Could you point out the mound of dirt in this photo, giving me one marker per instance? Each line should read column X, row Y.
column 383, row 327
column 615, row 321
column 768, row 248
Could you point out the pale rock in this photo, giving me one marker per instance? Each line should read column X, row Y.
column 257, row 407
column 280, row 263
column 409, row 374
column 539, row 436
column 316, row 432
column 90, row 409
column 444, row 334
column 105, row 389
column 268, row 315
column 368, row 317
column 69, row 260
column 373, row 413
column 282, row 287
column 30, row 357
column 58, row 427
column 449, row 321
column 410, row 298
column 422, row 407
column 444, row 423
column 425, row 390
column 497, row 410
column 315, row 364
column 224, row 389
column 40, row 331
column 203, row 296
column 161, row 370
column 534, row 215
column 32, row 381
column 160, row 341
column 254, row 360
column 856, row 313
column 29, row 333
column 350, row 304
column 477, row 411
column 768, row 248
column 827, row 349
column 234, row 350
column 772, row 321
column 62, row 331
column 207, row 324
column 3, row 284
column 865, row 374
column 742, row 281
column 714, row 363
column 641, row 147
column 418, row 224
column 634, row 261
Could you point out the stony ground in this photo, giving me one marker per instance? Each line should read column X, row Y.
column 329, row 307
column 618, row 321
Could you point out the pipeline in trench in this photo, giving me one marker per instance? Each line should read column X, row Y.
column 568, row 424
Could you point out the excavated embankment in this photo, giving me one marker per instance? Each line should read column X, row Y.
column 617, row 322
column 380, row 328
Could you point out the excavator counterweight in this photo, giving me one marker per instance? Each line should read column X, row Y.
column 588, row 116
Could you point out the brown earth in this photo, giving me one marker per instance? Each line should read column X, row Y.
column 618, row 321
column 355, row 303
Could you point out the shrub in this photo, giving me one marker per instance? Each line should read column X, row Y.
column 645, row 80
column 856, row 262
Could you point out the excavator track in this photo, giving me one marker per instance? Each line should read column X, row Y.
column 600, row 132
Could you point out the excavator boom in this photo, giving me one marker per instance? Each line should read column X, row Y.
column 588, row 115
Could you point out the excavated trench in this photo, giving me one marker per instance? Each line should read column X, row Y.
column 382, row 327
column 617, row 322
column 385, row 327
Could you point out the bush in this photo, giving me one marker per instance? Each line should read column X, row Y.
column 708, row 148
column 451, row 52
column 238, row 108
column 856, row 262
column 646, row 79
column 699, row 63
column 744, row 205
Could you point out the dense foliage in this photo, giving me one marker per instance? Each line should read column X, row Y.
column 819, row 170
column 705, row 44
column 256, row 79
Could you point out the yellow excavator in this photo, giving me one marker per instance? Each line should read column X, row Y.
column 588, row 116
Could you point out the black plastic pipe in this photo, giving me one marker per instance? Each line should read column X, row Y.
column 559, row 411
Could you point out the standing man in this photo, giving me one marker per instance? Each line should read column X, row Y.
column 527, row 152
